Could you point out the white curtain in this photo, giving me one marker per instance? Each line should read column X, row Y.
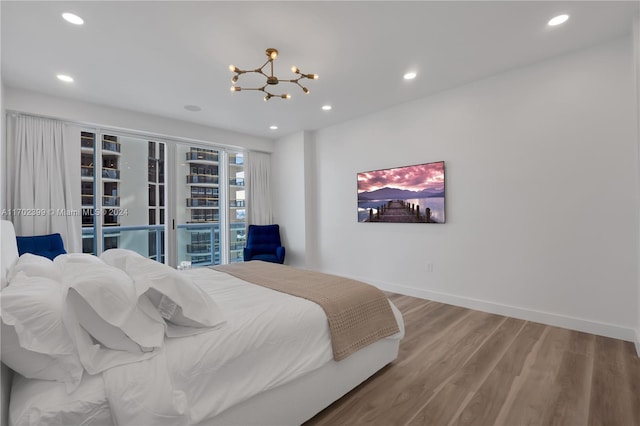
column 259, row 188
column 43, row 178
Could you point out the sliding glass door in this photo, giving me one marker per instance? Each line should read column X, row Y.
column 198, row 212
column 192, row 211
column 237, row 207
column 123, row 194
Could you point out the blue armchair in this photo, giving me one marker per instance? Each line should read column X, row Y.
column 42, row 245
column 263, row 243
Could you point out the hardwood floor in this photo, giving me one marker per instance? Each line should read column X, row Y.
column 462, row 367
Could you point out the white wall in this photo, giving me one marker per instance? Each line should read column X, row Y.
column 288, row 191
column 636, row 49
column 3, row 146
column 84, row 112
column 542, row 192
column 294, row 200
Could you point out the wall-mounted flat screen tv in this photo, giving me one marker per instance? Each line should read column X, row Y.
column 409, row 194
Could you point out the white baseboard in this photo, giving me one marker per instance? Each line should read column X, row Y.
column 564, row 321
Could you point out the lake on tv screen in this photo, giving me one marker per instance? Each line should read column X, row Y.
column 436, row 204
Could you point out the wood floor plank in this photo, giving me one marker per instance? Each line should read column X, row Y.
column 537, row 385
column 569, row 404
column 461, row 367
column 445, row 405
column 425, row 328
column 609, row 377
column 440, row 365
column 488, row 401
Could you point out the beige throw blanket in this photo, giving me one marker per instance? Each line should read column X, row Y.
column 358, row 314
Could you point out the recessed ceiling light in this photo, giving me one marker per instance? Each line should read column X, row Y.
column 273, row 127
column 74, row 19
column 560, row 19
column 410, row 76
column 326, row 107
column 192, row 108
column 65, row 78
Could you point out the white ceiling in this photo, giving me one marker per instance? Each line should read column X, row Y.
column 157, row 57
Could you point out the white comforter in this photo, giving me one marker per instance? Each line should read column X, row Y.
column 198, row 377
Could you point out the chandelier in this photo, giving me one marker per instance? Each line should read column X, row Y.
column 272, row 80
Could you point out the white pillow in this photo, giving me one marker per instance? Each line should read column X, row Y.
column 116, row 317
column 106, row 334
column 62, row 259
column 186, row 308
column 33, row 365
column 35, row 341
column 118, row 257
column 8, row 250
column 35, row 266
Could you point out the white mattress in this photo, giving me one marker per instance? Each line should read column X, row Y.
column 270, row 339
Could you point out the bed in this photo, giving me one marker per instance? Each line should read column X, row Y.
column 271, row 362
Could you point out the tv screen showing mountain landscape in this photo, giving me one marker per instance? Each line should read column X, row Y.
column 410, row 194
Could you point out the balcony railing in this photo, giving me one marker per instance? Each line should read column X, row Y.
column 202, row 192
column 202, row 179
column 86, row 171
column 110, row 173
column 202, row 202
column 198, row 243
column 201, row 156
column 236, row 181
column 110, row 201
column 110, row 146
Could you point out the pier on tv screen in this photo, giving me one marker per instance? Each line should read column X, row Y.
column 409, row 194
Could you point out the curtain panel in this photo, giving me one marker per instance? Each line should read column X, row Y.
column 259, row 188
column 43, row 178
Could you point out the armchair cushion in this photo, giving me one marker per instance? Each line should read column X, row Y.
column 48, row 246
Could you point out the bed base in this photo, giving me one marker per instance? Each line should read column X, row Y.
column 296, row 402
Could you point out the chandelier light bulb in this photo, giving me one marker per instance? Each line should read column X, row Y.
column 286, row 96
column 234, row 79
column 236, row 88
column 305, row 90
column 272, row 53
column 295, row 69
